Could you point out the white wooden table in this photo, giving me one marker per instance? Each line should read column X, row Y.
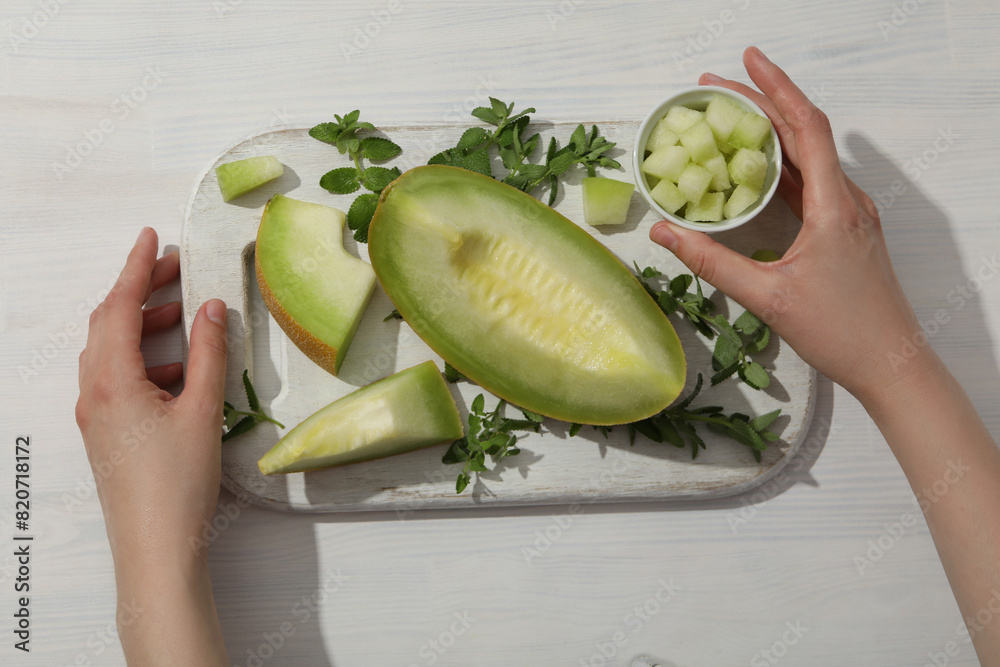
column 108, row 113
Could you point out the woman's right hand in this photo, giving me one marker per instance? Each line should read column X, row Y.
column 833, row 296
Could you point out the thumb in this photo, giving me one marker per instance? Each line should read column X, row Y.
column 206, row 369
column 739, row 277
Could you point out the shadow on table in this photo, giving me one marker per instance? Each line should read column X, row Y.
column 927, row 259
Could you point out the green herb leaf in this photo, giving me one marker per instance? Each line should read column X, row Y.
column 242, row 426
column 236, row 421
column 377, row 178
column 451, row 374
column 251, row 394
column 755, row 375
column 762, row 422
column 341, row 181
column 747, row 323
column 326, row 132
column 486, row 115
column 379, row 149
column 472, row 138
column 360, row 215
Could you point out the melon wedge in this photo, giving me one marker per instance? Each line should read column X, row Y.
column 242, row 176
column 315, row 290
column 400, row 413
column 521, row 300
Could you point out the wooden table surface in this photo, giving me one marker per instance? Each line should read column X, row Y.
column 109, row 110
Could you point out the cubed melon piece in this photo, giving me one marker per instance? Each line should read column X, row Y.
column 694, row 182
column 742, row 198
column 720, row 173
column 661, row 137
column 748, row 167
column 606, row 200
column 667, row 163
column 668, row 196
column 751, row 132
column 700, row 142
column 242, row 176
column 680, row 118
column 709, row 209
column 723, row 115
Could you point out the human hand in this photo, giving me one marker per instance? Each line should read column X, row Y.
column 156, row 458
column 833, row 296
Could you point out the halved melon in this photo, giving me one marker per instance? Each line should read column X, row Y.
column 521, row 300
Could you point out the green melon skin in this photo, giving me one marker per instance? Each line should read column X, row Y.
column 521, row 300
column 406, row 411
column 242, row 176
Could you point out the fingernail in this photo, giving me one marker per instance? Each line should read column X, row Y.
column 216, row 311
column 760, row 54
column 708, row 76
column 662, row 234
column 144, row 233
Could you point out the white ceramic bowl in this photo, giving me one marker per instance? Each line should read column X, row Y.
column 698, row 98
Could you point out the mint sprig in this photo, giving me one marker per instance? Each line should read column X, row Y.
column 343, row 133
column 515, row 149
column 676, row 425
column 236, row 421
column 734, row 343
column 490, row 434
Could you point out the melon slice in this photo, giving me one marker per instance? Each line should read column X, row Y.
column 400, row 413
column 315, row 290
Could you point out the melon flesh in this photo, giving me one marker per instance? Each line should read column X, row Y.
column 242, row 176
column 522, row 301
column 606, row 200
column 400, row 413
column 315, row 290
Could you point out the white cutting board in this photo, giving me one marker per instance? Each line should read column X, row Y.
column 217, row 262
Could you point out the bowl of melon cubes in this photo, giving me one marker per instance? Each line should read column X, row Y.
column 707, row 159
